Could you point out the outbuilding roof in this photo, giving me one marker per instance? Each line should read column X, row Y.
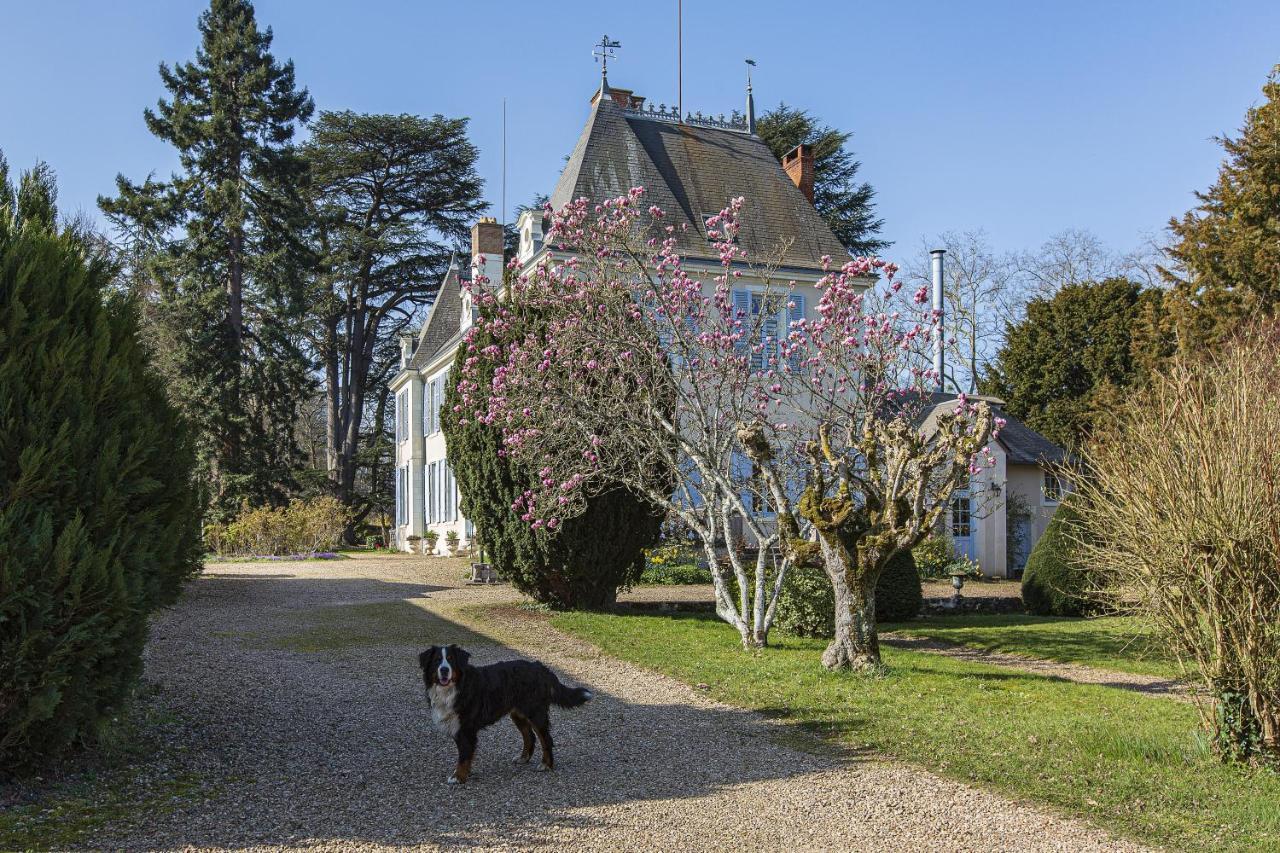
column 1022, row 444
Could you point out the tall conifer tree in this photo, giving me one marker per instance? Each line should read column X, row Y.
column 1227, row 248
column 227, row 253
column 847, row 205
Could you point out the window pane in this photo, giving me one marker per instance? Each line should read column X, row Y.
column 961, row 521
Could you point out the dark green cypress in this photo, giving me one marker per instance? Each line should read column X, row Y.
column 225, row 239
column 587, row 560
column 847, row 205
column 98, row 517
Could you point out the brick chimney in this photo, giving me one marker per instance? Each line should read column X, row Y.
column 486, row 250
column 799, row 166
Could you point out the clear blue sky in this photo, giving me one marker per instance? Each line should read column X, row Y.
column 1021, row 118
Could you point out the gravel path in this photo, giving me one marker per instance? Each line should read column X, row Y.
column 299, row 697
column 1151, row 685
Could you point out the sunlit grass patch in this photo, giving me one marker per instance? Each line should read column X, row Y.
column 1136, row 764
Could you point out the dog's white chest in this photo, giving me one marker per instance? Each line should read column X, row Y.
column 443, row 715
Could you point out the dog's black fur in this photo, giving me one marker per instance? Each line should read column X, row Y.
column 465, row 699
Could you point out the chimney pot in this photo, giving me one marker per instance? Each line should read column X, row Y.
column 798, row 163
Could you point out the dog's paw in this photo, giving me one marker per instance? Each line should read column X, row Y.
column 544, row 768
column 453, row 780
column 522, row 759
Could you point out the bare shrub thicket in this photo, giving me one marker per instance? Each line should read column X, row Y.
column 1182, row 511
column 302, row 527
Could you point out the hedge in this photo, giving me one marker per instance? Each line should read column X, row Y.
column 99, row 521
column 806, row 607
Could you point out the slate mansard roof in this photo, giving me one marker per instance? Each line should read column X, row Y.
column 692, row 171
column 444, row 323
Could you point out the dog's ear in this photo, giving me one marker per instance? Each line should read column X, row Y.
column 458, row 655
column 426, row 658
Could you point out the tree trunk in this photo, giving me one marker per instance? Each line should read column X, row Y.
column 856, row 645
column 333, row 396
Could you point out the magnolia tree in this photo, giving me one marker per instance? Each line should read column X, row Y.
column 881, row 457
column 610, row 362
column 611, row 358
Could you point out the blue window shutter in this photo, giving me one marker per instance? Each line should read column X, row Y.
column 769, row 323
column 437, row 403
column 740, row 468
column 795, row 313
column 756, row 300
column 420, row 491
column 430, row 417
column 742, row 306
column 431, row 493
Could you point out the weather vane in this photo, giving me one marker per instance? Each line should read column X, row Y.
column 751, row 63
column 603, row 52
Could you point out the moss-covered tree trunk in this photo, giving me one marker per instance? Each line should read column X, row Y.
column 856, row 644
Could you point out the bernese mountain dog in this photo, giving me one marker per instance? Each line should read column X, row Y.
column 465, row 699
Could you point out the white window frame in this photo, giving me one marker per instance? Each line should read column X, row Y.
column 957, row 499
column 429, row 396
column 1045, row 498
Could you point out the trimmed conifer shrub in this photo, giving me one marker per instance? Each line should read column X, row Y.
column 898, row 593
column 1053, row 582
column 806, row 607
column 99, row 523
column 583, row 564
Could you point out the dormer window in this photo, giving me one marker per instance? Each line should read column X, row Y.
column 529, row 227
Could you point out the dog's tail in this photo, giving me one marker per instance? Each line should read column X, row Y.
column 569, row 697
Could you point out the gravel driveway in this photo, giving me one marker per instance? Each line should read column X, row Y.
column 302, row 716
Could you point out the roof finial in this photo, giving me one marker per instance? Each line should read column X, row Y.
column 603, row 52
column 751, row 102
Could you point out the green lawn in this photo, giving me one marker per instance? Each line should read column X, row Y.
column 1122, row 643
column 1133, row 763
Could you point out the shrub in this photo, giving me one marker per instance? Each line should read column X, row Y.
column 432, row 539
column 806, row 607
column 934, row 556
column 1054, row 582
column 587, row 559
column 673, row 564
column 1181, row 504
column 99, row 519
column 675, row 574
column 302, row 527
column 898, row 594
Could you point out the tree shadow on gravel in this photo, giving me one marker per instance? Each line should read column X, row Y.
column 303, row 717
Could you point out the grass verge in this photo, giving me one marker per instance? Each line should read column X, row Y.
column 1121, row 643
column 1134, row 764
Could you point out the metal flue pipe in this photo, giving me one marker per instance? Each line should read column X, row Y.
column 939, row 344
